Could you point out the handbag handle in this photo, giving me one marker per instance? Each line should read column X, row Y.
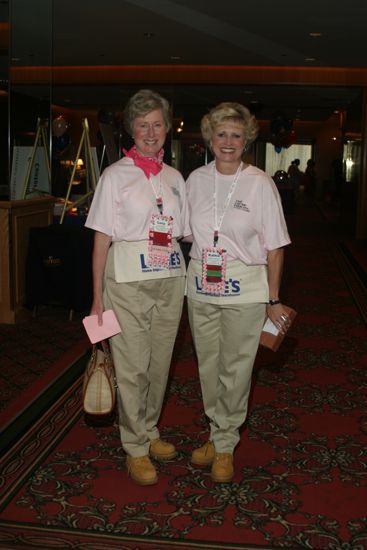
column 105, row 347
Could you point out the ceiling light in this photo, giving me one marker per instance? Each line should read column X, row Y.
column 309, row 59
column 315, row 34
column 175, row 57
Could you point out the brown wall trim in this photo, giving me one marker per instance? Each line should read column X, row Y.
column 194, row 74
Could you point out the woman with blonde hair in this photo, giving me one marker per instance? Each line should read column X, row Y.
column 234, row 276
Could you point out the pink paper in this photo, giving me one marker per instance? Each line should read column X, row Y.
column 97, row 332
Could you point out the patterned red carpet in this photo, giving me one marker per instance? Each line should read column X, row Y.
column 34, row 354
column 301, row 466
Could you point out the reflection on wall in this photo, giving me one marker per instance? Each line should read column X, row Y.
column 4, row 67
column 30, row 47
column 352, row 159
column 4, row 158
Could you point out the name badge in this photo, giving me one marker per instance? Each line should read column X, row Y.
column 160, row 240
column 214, row 262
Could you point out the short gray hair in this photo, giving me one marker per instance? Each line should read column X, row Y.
column 142, row 103
column 225, row 112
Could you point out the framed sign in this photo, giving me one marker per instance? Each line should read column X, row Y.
column 39, row 182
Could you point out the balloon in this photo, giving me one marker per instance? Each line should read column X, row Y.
column 292, row 137
column 59, row 126
column 280, row 177
column 282, row 133
column 59, row 143
column 280, row 124
column 106, row 117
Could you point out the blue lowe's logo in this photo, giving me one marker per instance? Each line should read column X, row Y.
column 231, row 287
column 174, row 263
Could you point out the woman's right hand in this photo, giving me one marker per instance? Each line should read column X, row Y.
column 100, row 250
column 97, row 309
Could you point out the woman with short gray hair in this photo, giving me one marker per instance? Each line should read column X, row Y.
column 138, row 213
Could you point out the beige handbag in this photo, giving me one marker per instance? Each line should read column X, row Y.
column 99, row 385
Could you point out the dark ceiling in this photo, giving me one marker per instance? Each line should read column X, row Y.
column 265, row 33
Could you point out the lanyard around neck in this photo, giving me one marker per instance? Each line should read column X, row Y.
column 158, row 194
column 218, row 222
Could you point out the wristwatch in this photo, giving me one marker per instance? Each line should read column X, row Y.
column 274, row 302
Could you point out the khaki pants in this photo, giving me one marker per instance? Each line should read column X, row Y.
column 226, row 338
column 149, row 313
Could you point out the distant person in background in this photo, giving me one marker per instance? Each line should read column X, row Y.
column 294, row 168
column 309, row 178
column 286, row 190
column 295, row 175
column 337, row 178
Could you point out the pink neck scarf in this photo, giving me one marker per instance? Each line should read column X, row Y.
column 149, row 165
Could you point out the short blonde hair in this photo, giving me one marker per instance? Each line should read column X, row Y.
column 142, row 103
column 228, row 111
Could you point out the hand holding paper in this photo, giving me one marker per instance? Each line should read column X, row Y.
column 97, row 332
column 271, row 337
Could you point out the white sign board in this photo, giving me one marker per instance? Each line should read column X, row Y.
column 94, row 156
column 39, row 183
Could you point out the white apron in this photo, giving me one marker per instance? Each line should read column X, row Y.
column 128, row 262
column 245, row 284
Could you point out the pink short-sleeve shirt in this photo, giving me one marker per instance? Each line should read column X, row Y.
column 253, row 223
column 124, row 201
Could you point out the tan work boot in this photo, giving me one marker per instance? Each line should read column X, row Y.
column 203, row 456
column 161, row 450
column 141, row 470
column 222, row 467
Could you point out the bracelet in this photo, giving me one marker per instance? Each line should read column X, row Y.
column 274, row 302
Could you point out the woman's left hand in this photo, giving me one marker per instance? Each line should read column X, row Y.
column 279, row 317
